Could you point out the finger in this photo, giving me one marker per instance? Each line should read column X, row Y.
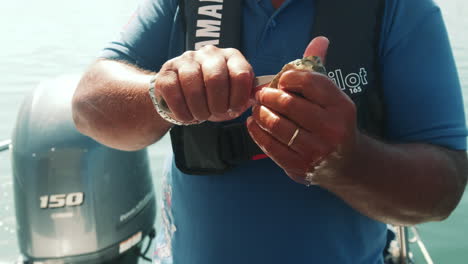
column 216, row 79
column 287, row 159
column 310, row 147
column 167, row 85
column 318, row 47
column 241, row 81
column 308, row 115
column 315, row 87
column 191, row 81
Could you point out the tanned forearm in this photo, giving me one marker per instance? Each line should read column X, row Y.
column 111, row 105
column 401, row 184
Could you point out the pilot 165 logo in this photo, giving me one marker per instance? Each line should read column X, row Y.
column 352, row 82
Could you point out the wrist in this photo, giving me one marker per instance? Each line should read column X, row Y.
column 338, row 168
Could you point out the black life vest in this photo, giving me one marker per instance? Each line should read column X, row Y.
column 352, row 63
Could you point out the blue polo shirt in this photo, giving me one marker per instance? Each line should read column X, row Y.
column 255, row 213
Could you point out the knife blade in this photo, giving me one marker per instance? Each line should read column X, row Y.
column 260, row 81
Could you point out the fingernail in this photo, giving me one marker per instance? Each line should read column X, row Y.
column 257, row 95
column 233, row 113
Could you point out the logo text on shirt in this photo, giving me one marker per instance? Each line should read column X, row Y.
column 209, row 28
column 352, row 82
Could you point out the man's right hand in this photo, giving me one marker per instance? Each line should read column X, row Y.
column 208, row 84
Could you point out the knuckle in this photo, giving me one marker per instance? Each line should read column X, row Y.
column 284, row 99
column 209, row 48
column 240, row 75
column 231, row 51
column 189, row 54
column 287, row 103
column 273, row 123
column 214, row 65
column 168, row 65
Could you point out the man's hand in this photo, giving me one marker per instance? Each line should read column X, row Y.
column 305, row 120
column 324, row 117
column 209, row 84
column 401, row 184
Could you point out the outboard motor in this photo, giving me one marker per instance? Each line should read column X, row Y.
column 76, row 200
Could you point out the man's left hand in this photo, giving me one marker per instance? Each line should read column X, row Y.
column 305, row 121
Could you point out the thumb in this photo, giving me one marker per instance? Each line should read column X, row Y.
column 317, row 47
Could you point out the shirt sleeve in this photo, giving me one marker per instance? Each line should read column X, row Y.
column 145, row 40
column 420, row 82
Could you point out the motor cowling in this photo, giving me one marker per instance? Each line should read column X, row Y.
column 77, row 201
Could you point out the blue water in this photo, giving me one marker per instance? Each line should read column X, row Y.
column 44, row 39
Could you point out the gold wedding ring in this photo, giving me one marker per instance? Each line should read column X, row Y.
column 291, row 141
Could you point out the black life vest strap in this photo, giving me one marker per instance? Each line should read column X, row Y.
column 237, row 145
column 353, row 29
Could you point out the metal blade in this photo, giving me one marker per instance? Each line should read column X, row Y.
column 262, row 80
